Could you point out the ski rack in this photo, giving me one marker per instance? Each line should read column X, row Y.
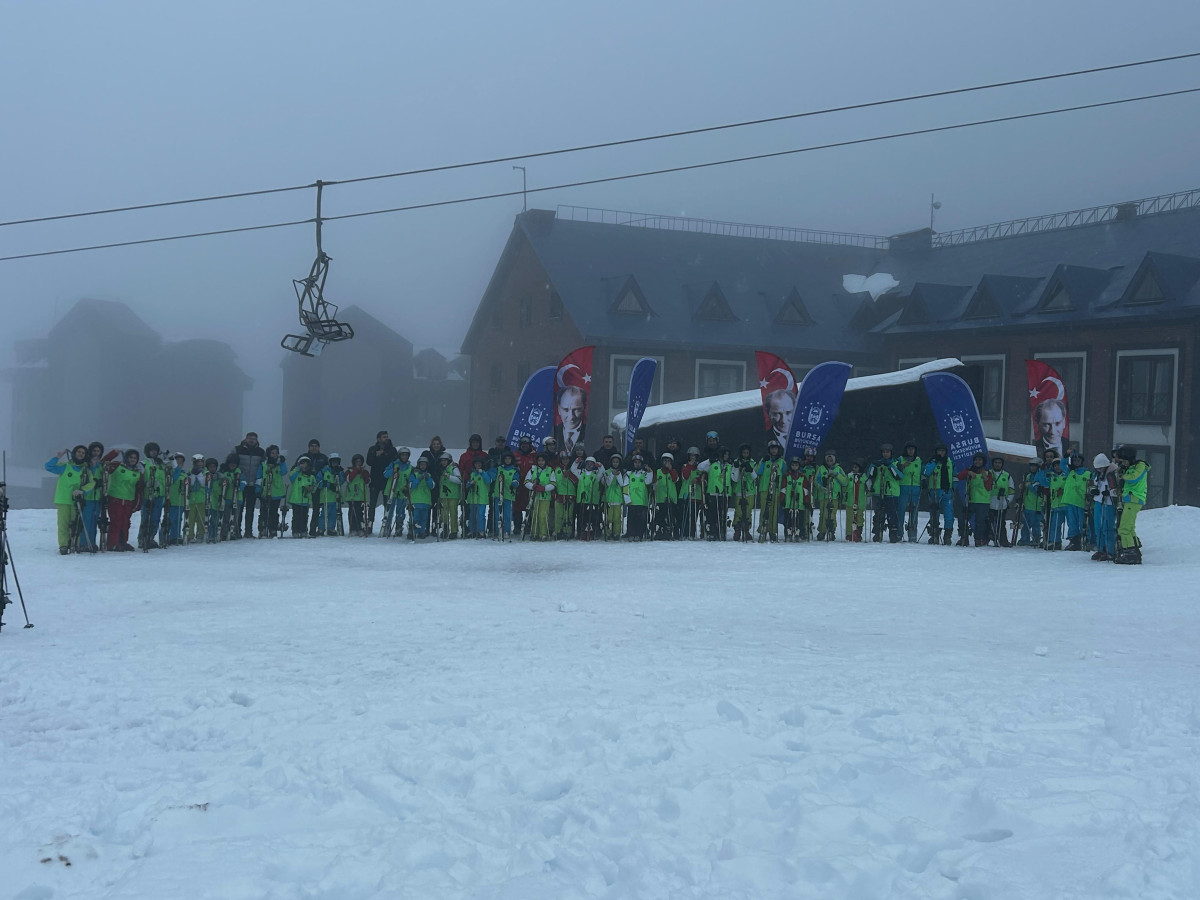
column 317, row 314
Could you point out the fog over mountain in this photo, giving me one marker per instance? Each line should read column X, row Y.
column 124, row 103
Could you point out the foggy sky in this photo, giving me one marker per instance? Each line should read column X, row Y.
column 121, row 103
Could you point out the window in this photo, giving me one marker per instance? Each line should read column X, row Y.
column 526, row 311
column 1058, row 300
column 1147, row 292
column 522, row 373
column 631, row 301
column 1071, row 369
column 714, row 377
column 990, row 394
column 714, row 307
column 622, row 370
column 1146, row 389
column 793, row 311
column 982, row 305
column 496, row 376
column 556, row 306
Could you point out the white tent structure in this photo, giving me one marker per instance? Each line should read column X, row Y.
column 707, row 407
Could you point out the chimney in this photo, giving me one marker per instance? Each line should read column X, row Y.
column 911, row 241
column 1126, row 212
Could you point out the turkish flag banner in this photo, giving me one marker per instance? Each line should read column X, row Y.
column 778, row 388
column 572, row 386
column 1048, row 407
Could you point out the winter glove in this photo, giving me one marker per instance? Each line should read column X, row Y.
column 78, row 495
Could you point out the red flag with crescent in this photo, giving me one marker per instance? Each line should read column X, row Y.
column 1047, row 403
column 572, row 385
column 778, row 388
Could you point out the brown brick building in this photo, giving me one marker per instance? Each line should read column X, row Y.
column 1110, row 296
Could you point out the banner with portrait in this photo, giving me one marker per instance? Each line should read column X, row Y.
column 957, row 417
column 1047, row 407
column 572, row 384
column 533, row 417
column 641, row 382
column 778, row 388
column 817, row 405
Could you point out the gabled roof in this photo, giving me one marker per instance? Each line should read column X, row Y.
column 629, row 300
column 589, row 263
column 1071, row 289
column 1164, row 280
column 102, row 320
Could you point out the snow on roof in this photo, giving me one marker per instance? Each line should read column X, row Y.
column 703, row 407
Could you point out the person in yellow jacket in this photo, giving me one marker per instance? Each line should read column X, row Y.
column 1135, row 475
column 74, row 479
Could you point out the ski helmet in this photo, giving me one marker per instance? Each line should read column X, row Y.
column 1036, row 462
column 182, row 456
column 1127, row 453
column 637, row 458
column 475, row 437
column 912, row 444
column 829, row 453
column 810, row 451
column 152, row 447
column 885, row 448
column 794, row 463
column 446, row 456
column 423, row 459
column 590, row 459
column 337, row 456
column 197, row 457
column 774, row 444
column 670, row 456
column 507, row 454
column 615, row 457
column 404, row 451
column 212, row 463
column 941, row 448
column 314, row 443
column 711, row 436
column 693, row 451
column 547, row 442
column 525, row 439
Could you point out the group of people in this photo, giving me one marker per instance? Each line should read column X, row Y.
column 542, row 493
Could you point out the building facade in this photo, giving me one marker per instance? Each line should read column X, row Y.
column 1109, row 296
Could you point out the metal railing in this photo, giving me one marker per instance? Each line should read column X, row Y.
column 1077, row 218
column 727, row 229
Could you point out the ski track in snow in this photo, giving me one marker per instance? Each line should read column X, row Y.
column 350, row 718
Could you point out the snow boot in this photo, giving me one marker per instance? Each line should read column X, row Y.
column 1100, row 556
column 935, row 536
column 63, row 551
column 1076, row 543
column 947, row 537
column 963, row 541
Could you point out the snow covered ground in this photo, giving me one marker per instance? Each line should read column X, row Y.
column 351, row 718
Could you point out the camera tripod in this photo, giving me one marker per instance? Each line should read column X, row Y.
column 6, row 561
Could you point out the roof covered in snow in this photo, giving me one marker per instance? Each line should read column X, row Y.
column 703, row 407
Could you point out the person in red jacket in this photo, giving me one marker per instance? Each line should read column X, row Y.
column 466, row 465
